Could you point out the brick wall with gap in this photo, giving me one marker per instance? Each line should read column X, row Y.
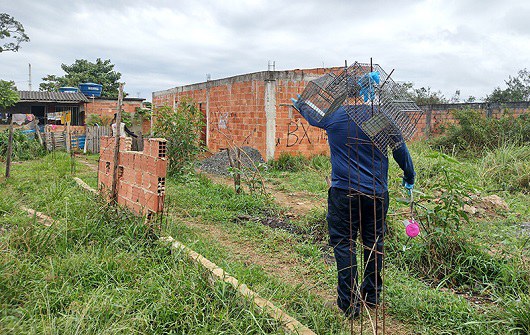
column 141, row 174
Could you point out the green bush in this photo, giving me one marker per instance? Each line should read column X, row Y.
column 450, row 260
column 182, row 129
column 24, row 148
column 475, row 133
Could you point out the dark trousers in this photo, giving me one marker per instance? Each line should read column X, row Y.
column 348, row 214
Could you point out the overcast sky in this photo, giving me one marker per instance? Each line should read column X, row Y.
column 472, row 46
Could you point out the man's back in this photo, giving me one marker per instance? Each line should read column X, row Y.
column 357, row 164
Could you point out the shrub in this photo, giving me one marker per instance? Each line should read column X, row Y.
column 181, row 128
column 23, row 148
column 474, row 132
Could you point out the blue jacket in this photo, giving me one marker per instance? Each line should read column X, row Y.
column 355, row 162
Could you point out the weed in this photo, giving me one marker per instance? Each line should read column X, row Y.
column 289, row 162
column 473, row 133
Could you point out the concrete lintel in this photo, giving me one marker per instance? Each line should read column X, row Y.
column 290, row 75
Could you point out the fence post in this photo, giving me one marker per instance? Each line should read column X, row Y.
column 428, row 120
column 9, row 148
column 114, row 190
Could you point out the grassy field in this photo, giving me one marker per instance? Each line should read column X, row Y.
column 99, row 270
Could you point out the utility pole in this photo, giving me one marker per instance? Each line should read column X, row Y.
column 114, row 190
column 29, row 72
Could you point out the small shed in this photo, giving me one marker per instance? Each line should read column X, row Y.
column 49, row 107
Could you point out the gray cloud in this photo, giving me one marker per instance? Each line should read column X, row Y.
column 448, row 45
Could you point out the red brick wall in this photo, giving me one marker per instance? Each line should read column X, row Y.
column 106, row 108
column 141, row 174
column 294, row 135
column 237, row 112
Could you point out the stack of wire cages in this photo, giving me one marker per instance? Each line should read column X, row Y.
column 325, row 94
column 381, row 107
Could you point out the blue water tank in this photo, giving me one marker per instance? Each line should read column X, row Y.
column 91, row 89
column 69, row 89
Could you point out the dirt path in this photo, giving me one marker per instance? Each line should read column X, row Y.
column 288, row 269
column 297, row 203
column 81, row 159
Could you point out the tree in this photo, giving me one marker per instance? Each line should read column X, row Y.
column 424, row 96
column 518, row 89
column 8, row 94
column 13, row 30
column 181, row 128
column 82, row 71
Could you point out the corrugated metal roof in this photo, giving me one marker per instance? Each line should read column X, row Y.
column 64, row 97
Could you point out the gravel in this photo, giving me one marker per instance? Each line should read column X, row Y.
column 219, row 163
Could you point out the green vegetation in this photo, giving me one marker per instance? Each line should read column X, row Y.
column 181, row 128
column 100, row 269
column 475, row 134
column 517, row 89
column 24, row 147
column 8, row 94
column 13, row 31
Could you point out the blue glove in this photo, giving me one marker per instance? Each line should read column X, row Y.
column 367, row 85
column 296, row 102
column 407, row 186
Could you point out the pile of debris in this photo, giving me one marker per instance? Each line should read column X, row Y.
column 219, row 162
column 492, row 205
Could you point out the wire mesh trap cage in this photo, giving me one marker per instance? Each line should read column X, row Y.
column 381, row 107
column 325, row 94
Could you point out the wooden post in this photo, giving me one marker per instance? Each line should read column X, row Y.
column 237, row 178
column 114, row 190
column 68, row 139
column 236, row 167
column 9, row 149
column 37, row 131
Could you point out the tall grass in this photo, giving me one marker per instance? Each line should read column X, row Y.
column 506, row 168
column 100, row 270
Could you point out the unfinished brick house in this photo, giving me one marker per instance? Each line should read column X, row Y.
column 254, row 110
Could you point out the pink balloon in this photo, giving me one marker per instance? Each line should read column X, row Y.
column 412, row 228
